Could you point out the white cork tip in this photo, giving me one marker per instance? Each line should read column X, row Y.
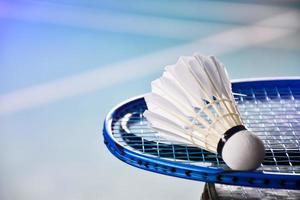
column 243, row 151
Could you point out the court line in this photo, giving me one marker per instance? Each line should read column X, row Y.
column 77, row 84
column 88, row 18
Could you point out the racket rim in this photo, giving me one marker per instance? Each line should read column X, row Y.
column 193, row 172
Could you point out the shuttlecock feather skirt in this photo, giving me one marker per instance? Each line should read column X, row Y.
column 192, row 103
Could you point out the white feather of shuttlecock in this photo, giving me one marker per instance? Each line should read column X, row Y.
column 192, row 102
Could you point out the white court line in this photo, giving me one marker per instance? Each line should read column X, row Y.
column 224, row 42
column 137, row 24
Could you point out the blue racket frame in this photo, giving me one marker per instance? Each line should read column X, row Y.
column 200, row 173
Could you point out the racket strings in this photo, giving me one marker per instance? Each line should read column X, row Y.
column 272, row 113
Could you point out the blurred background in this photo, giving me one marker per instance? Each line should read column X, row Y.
column 65, row 63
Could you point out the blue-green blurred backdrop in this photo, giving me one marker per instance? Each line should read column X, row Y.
column 65, row 64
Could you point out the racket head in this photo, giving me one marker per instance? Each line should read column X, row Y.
column 271, row 110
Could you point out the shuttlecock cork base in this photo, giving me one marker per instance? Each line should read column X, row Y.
column 192, row 103
column 241, row 149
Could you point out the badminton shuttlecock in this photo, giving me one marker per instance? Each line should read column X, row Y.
column 193, row 103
